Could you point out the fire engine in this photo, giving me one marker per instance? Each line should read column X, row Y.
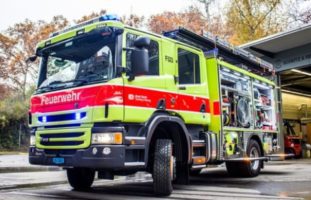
column 115, row 100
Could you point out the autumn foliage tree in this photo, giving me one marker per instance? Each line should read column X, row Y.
column 252, row 19
column 17, row 43
column 191, row 18
column 134, row 20
column 17, row 76
column 299, row 12
column 90, row 16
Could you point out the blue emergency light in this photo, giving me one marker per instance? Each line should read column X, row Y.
column 110, row 17
column 62, row 117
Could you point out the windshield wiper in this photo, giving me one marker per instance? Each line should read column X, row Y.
column 43, row 89
column 61, row 85
column 55, row 82
column 77, row 82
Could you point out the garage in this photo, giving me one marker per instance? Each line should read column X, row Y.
column 290, row 53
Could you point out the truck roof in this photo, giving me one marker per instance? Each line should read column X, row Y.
column 212, row 46
column 84, row 27
column 215, row 47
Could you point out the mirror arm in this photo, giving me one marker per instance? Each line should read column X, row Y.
column 31, row 58
column 121, row 70
column 128, row 48
column 131, row 77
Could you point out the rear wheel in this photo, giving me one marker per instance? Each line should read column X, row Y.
column 247, row 169
column 291, row 152
column 163, row 167
column 80, row 178
column 195, row 172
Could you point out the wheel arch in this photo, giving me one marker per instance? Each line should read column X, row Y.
column 258, row 140
column 163, row 125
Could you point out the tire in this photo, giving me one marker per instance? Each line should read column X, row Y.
column 247, row 169
column 195, row 172
column 163, row 168
column 299, row 155
column 290, row 151
column 80, row 178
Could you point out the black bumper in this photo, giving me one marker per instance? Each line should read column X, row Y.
column 89, row 157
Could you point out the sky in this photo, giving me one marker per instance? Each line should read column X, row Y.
column 14, row 11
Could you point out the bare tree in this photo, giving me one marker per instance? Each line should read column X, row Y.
column 207, row 5
column 299, row 12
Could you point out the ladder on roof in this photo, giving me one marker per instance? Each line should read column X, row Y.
column 214, row 47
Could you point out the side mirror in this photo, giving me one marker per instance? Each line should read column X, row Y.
column 31, row 58
column 140, row 56
column 142, row 42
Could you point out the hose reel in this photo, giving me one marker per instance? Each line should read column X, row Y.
column 243, row 112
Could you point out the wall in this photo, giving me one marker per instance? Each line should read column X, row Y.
column 291, row 104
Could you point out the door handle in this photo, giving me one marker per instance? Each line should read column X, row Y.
column 203, row 108
column 182, row 87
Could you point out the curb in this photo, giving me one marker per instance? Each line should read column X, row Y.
column 29, row 185
column 27, row 169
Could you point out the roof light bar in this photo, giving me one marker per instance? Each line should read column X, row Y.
column 107, row 17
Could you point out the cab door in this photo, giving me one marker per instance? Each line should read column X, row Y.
column 193, row 101
column 142, row 95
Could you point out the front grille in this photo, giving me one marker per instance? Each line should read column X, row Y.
column 61, row 135
column 64, row 139
column 63, row 126
column 65, row 143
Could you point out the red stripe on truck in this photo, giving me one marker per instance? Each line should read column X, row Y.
column 216, row 108
column 99, row 95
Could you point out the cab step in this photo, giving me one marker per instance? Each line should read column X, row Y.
column 198, row 143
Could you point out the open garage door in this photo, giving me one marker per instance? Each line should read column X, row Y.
column 290, row 53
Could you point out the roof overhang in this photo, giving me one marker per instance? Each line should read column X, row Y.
column 290, row 52
column 271, row 45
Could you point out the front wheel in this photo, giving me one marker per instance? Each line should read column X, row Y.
column 163, row 167
column 80, row 178
column 247, row 169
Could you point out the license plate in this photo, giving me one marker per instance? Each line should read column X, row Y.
column 58, row 161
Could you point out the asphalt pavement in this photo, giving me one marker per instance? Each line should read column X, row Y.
column 289, row 179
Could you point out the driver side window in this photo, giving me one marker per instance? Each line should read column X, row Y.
column 153, row 51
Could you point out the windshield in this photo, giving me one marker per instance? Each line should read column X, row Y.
column 78, row 62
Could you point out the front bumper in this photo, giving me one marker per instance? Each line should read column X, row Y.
column 92, row 157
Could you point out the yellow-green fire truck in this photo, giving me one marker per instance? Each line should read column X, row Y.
column 115, row 100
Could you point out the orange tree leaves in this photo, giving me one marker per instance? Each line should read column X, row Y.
column 90, row 16
column 133, row 20
column 191, row 18
column 17, row 43
column 252, row 19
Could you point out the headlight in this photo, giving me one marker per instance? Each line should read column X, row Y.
column 107, row 138
column 32, row 140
